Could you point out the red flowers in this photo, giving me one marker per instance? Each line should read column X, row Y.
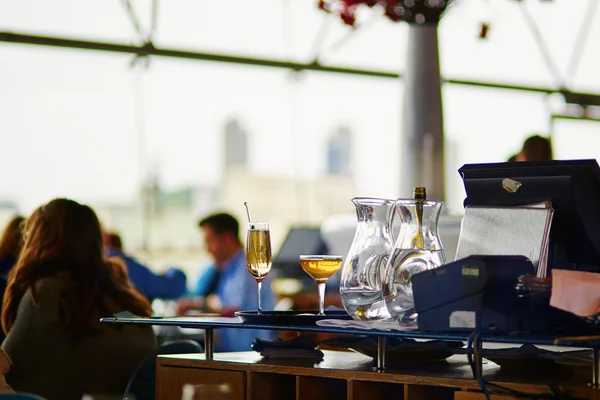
column 418, row 11
column 346, row 8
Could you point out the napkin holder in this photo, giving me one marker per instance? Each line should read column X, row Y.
column 299, row 347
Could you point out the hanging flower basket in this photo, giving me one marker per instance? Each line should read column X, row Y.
column 411, row 11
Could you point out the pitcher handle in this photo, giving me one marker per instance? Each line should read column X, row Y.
column 397, row 209
column 376, row 264
column 390, row 220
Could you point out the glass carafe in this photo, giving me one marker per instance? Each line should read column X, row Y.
column 417, row 248
column 364, row 266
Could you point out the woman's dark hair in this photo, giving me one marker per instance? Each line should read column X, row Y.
column 65, row 236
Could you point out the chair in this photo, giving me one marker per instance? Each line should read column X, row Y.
column 19, row 396
column 142, row 384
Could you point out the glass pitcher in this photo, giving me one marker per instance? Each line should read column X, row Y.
column 417, row 248
column 364, row 266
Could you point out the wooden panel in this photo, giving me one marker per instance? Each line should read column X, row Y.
column 170, row 381
column 422, row 392
column 313, row 388
column 587, row 394
column 267, row 386
column 479, row 396
column 337, row 364
column 359, row 390
column 339, row 368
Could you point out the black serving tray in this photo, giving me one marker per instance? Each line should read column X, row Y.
column 297, row 318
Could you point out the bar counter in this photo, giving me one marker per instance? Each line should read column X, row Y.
column 349, row 375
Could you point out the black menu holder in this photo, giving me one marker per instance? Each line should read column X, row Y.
column 572, row 187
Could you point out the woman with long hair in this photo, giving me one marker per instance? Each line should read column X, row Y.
column 11, row 243
column 58, row 290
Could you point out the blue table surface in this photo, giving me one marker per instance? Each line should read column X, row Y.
column 224, row 322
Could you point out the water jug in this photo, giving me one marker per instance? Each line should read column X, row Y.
column 364, row 266
column 417, row 248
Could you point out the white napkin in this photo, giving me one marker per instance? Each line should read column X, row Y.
column 384, row 326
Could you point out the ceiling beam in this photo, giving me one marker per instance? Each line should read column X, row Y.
column 149, row 49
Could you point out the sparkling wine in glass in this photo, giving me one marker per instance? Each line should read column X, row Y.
column 321, row 268
column 258, row 254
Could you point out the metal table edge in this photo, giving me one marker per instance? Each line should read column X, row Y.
column 462, row 336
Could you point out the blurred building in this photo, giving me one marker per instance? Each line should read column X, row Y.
column 160, row 226
column 235, row 146
column 285, row 202
column 339, row 151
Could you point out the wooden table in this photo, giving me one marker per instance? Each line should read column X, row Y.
column 348, row 375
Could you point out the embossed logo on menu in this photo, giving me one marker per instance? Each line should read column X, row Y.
column 470, row 271
column 510, row 185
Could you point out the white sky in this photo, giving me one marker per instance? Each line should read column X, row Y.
column 68, row 120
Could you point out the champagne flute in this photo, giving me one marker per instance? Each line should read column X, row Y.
column 321, row 268
column 258, row 254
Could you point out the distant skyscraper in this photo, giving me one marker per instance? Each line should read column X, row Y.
column 339, row 149
column 236, row 145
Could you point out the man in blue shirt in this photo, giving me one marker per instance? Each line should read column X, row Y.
column 170, row 285
column 227, row 286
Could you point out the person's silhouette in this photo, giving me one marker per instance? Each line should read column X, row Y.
column 535, row 148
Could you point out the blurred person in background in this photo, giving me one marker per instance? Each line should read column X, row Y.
column 170, row 285
column 535, row 148
column 11, row 243
column 57, row 292
column 226, row 286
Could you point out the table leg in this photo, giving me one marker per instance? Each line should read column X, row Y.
column 596, row 368
column 208, row 344
column 382, row 353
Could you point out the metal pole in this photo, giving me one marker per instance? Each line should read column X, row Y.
column 382, row 353
column 145, row 182
column 208, row 344
column 478, row 358
column 422, row 156
column 596, row 368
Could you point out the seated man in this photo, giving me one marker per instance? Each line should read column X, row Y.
column 227, row 286
column 170, row 285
